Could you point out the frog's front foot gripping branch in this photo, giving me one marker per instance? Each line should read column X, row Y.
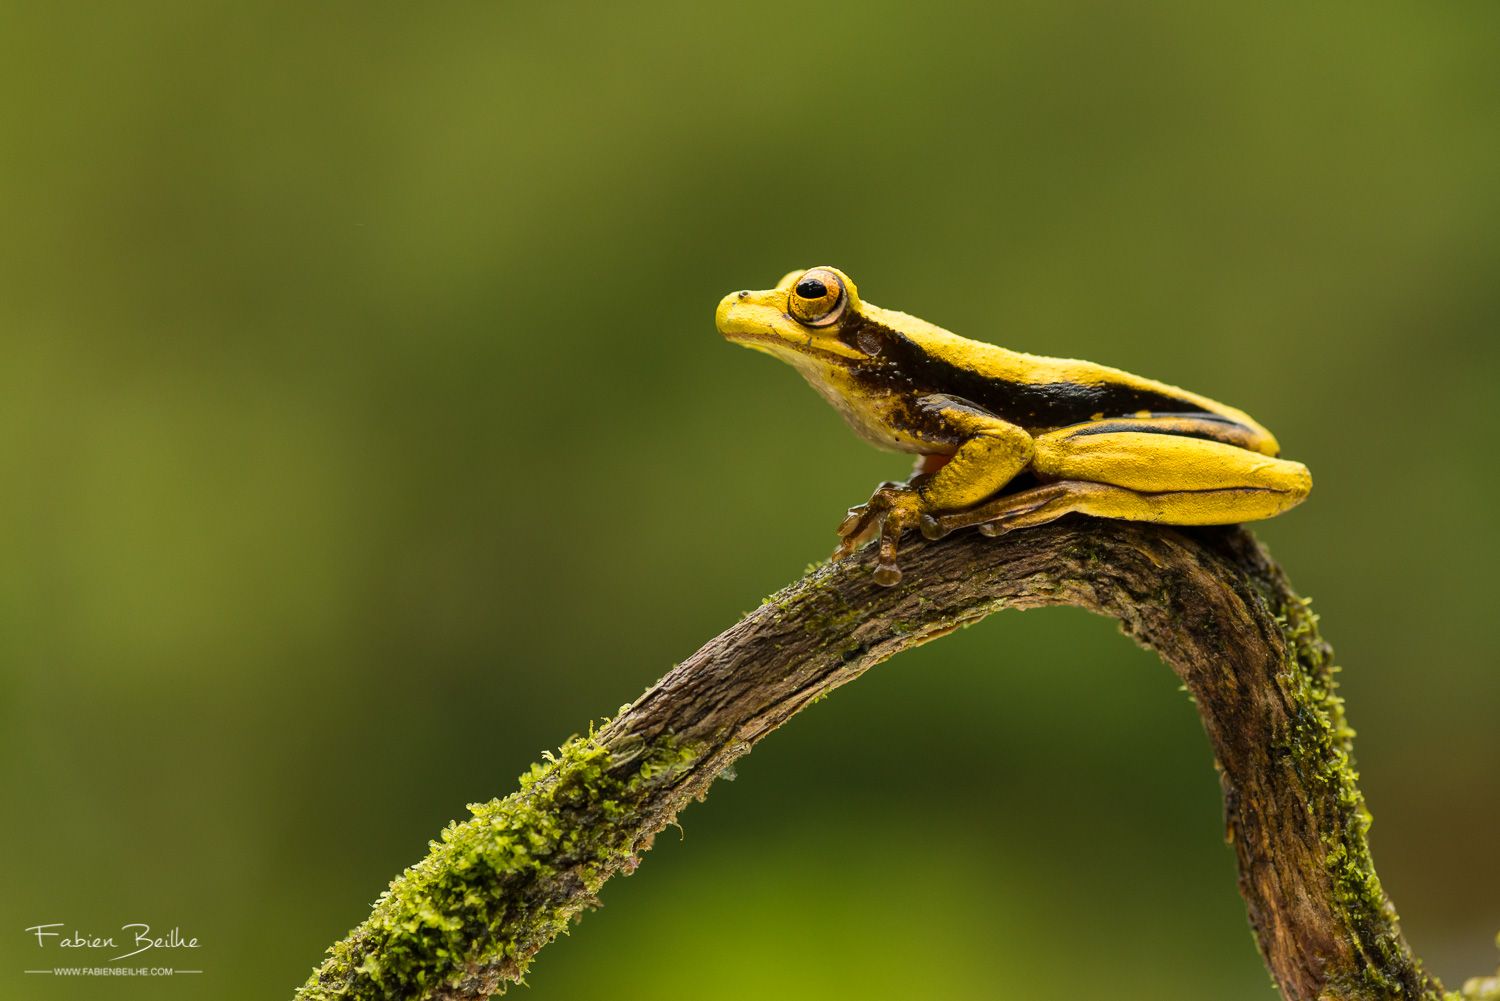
column 891, row 509
column 895, row 507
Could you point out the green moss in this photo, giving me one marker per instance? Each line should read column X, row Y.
column 502, row 884
column 815, row 604
column 1320, row 747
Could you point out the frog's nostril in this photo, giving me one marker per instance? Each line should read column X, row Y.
column 744, row 293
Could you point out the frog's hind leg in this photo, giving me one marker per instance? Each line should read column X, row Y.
column 1139, row 476
column 1051, row 501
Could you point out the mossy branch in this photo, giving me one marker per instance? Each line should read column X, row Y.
column 468, row 918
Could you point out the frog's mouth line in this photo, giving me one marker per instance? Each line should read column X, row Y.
column 754, row 339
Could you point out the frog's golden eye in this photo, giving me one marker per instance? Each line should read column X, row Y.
column 818, row 298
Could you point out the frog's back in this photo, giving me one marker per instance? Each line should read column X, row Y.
column 1043, row 394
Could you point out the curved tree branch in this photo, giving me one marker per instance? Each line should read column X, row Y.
column 1210, row 602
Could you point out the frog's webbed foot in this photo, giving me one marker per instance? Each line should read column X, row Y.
column 891, row 509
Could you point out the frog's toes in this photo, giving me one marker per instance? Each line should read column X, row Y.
column 887, row 573
column 849, row 545
column 892, row 508
column 856, row 529
column 853, row 521
column 932, row 527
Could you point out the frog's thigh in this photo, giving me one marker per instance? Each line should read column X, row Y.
column 993, row 451
column 1170, row 478
column 983, row 464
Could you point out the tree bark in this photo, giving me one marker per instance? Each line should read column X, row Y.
column 1210, row 602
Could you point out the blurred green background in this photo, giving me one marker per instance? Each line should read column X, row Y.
column 364, row 432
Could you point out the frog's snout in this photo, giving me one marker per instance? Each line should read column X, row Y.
column 722, row 315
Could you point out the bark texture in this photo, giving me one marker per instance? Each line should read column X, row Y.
column 1210, row 602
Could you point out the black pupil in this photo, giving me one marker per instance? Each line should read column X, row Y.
column 811, row 288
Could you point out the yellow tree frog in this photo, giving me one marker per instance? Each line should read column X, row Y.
column 1007, row 440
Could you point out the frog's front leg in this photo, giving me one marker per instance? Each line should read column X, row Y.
column 989, row 453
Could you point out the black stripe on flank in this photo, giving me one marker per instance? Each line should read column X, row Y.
column 1209, row 427
column 902, row 366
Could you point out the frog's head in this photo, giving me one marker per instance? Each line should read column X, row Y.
column 802, row 320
